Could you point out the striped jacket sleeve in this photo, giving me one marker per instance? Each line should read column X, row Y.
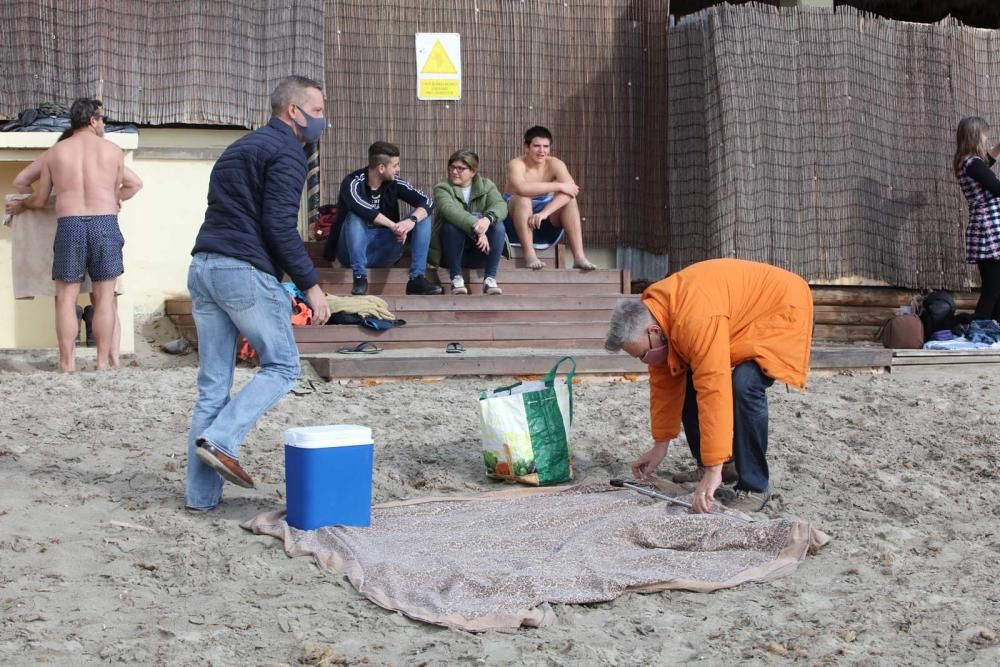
column 413, row 196
column 354, row 191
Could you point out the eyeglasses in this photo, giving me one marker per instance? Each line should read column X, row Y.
column 652, row 346
column 458, row 167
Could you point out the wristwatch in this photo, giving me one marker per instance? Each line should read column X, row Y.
column 491, row 216
column 413, row 218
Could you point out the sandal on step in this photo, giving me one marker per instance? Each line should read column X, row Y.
column 367, row 347
column 455, row 348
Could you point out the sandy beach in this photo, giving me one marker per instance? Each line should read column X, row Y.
column 101, row 563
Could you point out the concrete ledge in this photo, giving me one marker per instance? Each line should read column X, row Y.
column 179, row 153
column 18, row 140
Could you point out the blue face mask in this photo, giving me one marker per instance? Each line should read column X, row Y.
column 314, row 127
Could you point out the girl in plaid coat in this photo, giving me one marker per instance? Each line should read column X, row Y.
column 972, row 164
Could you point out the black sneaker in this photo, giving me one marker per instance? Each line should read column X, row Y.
column 420, row 285
column 360, row 287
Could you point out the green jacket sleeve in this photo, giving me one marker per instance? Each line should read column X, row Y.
column 450, row 209
column 495, row 203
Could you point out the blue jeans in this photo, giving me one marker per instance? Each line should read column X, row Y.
column 230, row 297
column 362, row 247
column 456, row 246
column 749, row 425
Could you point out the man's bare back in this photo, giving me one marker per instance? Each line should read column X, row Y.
column 85, row 173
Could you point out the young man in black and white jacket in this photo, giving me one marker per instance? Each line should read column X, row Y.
column 372, row 232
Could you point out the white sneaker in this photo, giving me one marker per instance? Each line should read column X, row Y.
column 458, row 285
column 490, row 286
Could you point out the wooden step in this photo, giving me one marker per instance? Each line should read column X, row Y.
column 856, row 315
column 892, row 297
column 944, row 357
column 512, row 281
column 520, row 361
column 554, row 256
column 473, row 316
column 823, row 336
column 495, row 362
column 497, row 334
column 846, row 333
column 351, row 335
column 403, row 304
column 831, row 356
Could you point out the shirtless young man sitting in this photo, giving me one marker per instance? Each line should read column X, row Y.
column 86, row 174
column 540, row 187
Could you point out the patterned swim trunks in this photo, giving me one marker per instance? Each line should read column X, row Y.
column 546, row 235
column 88, row 244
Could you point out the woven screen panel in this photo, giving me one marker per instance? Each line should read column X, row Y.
column 159, row 62
column 577, row 68
column 822, row 142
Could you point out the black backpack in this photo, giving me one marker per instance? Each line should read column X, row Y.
column 938, row 312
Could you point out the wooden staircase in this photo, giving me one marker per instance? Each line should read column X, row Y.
column 540, row 316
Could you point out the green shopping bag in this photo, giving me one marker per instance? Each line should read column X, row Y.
column 526, row 429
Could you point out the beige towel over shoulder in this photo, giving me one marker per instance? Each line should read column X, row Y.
column 33, row 234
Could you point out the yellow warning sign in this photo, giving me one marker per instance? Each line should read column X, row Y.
column 439, row 89
column 439, row 65
column 438, row 61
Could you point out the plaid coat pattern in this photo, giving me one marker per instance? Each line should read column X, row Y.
column 982, row 236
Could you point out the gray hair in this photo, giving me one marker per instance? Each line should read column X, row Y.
column 628, row 320
column 291, row 90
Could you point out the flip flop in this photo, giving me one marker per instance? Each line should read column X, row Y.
column 455, row 348
column 367, row 347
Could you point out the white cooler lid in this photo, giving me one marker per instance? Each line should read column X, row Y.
column 338, row 435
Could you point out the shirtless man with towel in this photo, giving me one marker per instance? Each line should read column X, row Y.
column 86, row 174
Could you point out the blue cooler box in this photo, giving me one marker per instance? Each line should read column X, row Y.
column 328, row 476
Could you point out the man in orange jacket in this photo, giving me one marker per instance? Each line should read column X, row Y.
column 715, row 336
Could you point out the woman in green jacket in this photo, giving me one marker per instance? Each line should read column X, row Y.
column 468, row 223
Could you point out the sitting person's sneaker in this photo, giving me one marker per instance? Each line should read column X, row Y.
column 490, row 286
column 360, row 287
column 746, row 501
column 458, row 285
column 729, row 475
column 420, row 285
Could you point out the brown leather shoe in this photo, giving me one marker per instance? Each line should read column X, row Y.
column 747, row 501
column 729, row 475
column 223, row 463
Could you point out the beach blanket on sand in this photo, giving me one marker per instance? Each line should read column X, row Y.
column 498, row 561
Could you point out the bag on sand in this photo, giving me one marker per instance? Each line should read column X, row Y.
column 938, row 312
column 526, row 429
column 903, row 332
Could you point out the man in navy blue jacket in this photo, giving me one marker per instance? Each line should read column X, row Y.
column 248, row 241
column 372, row 232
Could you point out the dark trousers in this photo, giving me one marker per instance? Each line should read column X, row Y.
column 988, row 307
column 458, row 250
column 749, row 424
